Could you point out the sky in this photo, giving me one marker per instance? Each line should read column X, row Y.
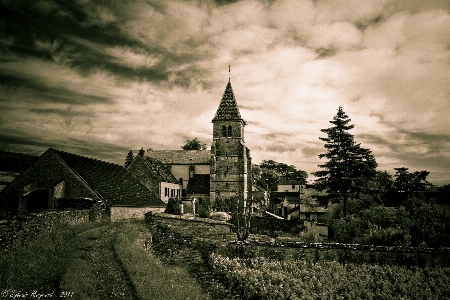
column 101, row 78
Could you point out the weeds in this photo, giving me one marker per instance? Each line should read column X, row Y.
column 39, row 263
column 151, row 278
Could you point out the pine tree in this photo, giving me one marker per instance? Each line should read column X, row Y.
column 129, row 159
column 349, row 168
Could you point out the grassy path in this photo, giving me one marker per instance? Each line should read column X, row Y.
column 113, row 261
column 95, row 271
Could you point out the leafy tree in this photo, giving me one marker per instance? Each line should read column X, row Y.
column 129, row 159
column 194, row 144
column 349, row 169
column 285, row 171
column 429, row 222
column 404, row 185
column 411, row 182
column 270, row 172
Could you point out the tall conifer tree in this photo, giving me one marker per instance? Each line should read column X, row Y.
column 129, row 159
column 349, row 168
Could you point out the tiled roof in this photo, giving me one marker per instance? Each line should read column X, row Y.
column 199, row 184
column 159, row 170
column 181, row 157
column 228, row 109
column 111, row 181
column 289, row 195
column 288, row 182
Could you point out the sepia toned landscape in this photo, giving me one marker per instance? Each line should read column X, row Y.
column 234, row 149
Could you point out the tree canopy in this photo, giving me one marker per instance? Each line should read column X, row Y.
column 270, row 172
column 350, row 168
column 129, row 159
column 194, row 144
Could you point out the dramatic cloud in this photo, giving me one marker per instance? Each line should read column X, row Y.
column 99, row 78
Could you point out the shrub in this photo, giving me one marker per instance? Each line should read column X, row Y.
column 173, row 207
column 345, row 231
column 220, row 216
column 203, row 212
column 309, row 236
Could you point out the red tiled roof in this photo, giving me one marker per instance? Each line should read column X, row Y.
column 111, row 181
column 181, row 157
column 228, row 108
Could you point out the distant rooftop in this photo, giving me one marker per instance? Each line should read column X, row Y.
column 181, row 157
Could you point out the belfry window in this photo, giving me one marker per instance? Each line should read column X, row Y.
column 224, row 131
column 230, row 131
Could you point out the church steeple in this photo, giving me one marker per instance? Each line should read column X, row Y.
column 230, row 173
column 228, row 108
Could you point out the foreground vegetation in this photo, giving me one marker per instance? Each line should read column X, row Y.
column 183, row 260
column 262, row 278
column 39, row 262
column 93, row 261
column 151, row 278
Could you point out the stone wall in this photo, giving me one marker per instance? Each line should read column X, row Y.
column 21, row 228
column 176, row 235
column 121, row 213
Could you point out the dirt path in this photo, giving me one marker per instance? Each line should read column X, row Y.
column 97, row 257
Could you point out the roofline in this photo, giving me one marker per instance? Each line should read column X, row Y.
column 76, row 173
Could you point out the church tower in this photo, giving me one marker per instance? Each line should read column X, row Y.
column 231, row 177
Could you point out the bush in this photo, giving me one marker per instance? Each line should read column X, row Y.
column 173, row 207
column 345, row 231
column 309, row 236
column 220, row 216
column 384, row 237
column 203, row 212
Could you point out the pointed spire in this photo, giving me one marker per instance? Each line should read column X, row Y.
column 229, row 73
column 228, row 108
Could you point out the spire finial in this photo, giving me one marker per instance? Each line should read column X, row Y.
column 229, row 73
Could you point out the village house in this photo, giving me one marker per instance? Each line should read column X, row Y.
column 156, row 177
column 289, row 202
column 61, row 175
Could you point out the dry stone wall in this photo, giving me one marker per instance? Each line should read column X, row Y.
column 19, row 229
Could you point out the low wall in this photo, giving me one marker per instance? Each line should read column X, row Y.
column 345, row 253
column 121, row 213
column 176, row 235
column 22, row 228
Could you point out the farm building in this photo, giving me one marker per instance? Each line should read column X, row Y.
column 61, row 175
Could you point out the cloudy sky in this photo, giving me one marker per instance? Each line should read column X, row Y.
column 98, row 78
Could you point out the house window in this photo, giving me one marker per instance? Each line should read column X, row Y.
column 226, row 184
column 230, row 131
column 199, row 201
column 224, row 131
